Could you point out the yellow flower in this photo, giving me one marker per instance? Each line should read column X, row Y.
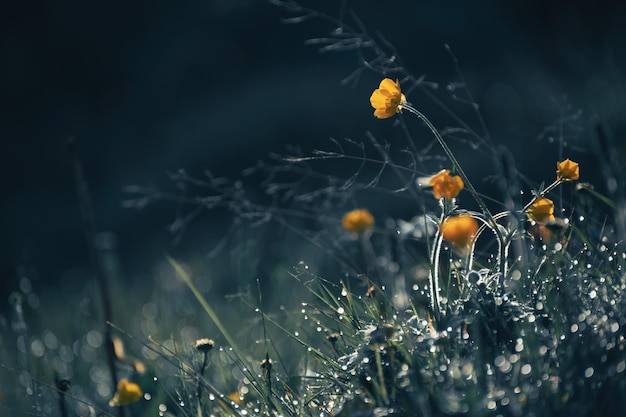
column 127, row 392
column 357, row 221
column 446, row 185
column 541, row 211
column 567, row 170
column 387, row 100
column 459, row 230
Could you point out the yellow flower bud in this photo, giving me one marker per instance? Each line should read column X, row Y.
column 567, row 170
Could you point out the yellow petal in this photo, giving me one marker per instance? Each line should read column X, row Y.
column 377, row 99
column 446, row 185
column 390, row 85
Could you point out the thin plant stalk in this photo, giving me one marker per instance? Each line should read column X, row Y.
column 470, row 187
column 266, row 364
column 435, row 300
column 89, row 227
column 205, row 360
column 62, row 385
column 21, row 328
column 504, row 246
column 542, row 193
column 381, row 377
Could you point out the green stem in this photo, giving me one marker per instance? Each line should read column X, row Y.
column 381, row 377
column 541, row 194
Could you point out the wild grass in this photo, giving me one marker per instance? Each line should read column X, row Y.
column 392, row 318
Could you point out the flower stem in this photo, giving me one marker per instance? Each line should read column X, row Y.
column 89, row 228
column 205, row 357
column 542, row 193
column 490, row 219
column 435, row 300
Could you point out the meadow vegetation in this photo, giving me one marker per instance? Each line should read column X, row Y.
column 492, row 298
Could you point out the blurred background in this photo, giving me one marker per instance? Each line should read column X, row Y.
column 147, row 88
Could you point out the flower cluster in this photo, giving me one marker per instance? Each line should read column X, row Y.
column 548, row 227
column 541, row 211
column 460, row 230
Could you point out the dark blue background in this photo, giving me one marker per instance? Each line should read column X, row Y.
column 150, row 87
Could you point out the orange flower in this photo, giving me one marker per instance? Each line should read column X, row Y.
column 459, row 230
column 541, row 211
column 388, row 99
column 549, row 232
column 567, row 170
column 446, row 185
column 357, row 221
column 127, row 392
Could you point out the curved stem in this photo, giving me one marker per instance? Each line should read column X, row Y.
column 435, row 301
column 542, row 193
column 485, row 224
column 490, row 219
